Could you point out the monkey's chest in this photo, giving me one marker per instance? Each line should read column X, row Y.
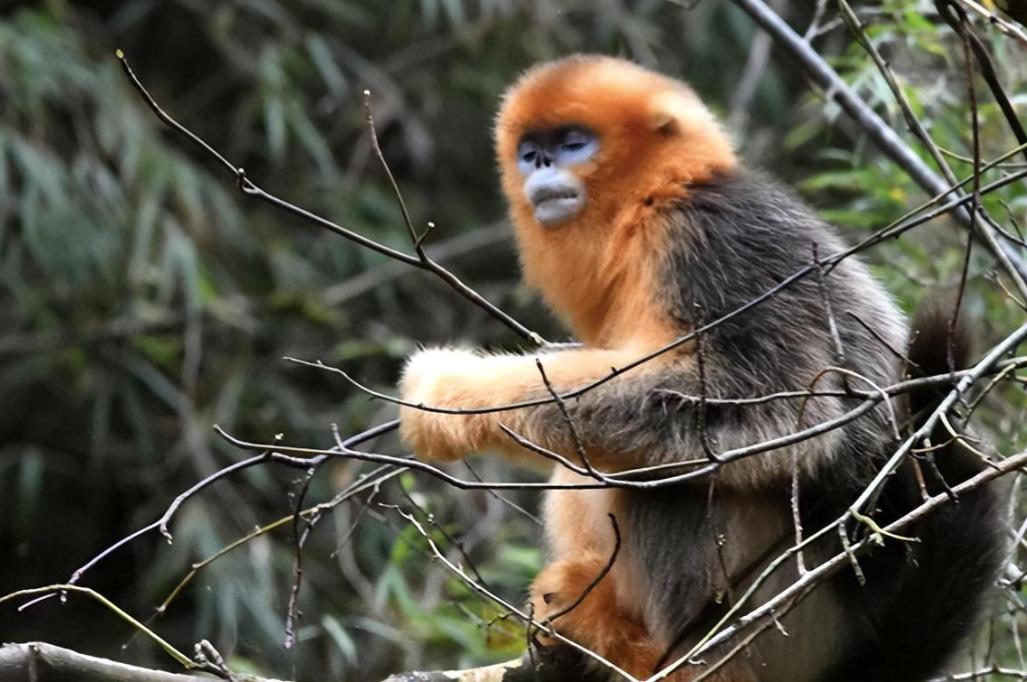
column 580, row 519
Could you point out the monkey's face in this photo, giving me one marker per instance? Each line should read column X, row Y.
column 546, row 160
column 593, row 152
column 588, row 143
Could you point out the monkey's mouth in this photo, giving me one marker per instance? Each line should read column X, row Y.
column 549, row 193
column 556, row 204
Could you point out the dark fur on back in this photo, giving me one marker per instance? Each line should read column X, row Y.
column 730, row 241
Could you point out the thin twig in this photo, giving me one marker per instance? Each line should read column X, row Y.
column 700, row 412
column 794, row 593
column 607, row 665
column 599, row 576
column 250, row 188
column 301, row 527
column 561, row 405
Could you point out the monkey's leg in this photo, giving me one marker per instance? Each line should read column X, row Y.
column 567, row 596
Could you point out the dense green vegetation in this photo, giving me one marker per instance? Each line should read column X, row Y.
column 143, row 300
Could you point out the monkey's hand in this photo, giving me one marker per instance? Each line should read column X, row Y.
column 440, row 378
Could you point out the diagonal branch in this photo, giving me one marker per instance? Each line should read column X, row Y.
column 420, row 261
column 877, row 129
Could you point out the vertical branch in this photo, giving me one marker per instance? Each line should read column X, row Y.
column 376, row 148
column 301, row 528
column 975, row 200
column 857, row 570
column 595, row 581
column 700, row 412
column 832, row 326
column 561, row 405
column 814, row 24
column 800, row 562
column 749, row 80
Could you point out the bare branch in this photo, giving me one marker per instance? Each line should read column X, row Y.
column 879, row 131
column 42, row 662
column 250, row 188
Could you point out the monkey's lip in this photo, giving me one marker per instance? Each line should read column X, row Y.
column 549, row 193
column 555, row 205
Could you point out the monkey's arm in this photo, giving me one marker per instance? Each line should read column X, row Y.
column 648, row 415
column 451, row 379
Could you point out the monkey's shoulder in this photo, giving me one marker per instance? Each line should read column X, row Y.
column 743, row 215
column 744, row 247
column 742, row 236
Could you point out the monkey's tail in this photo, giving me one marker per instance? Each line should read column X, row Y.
column 931, row 594
column 938, row 344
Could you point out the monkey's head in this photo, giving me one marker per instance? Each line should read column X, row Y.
column 579, row 137
column 590, row 149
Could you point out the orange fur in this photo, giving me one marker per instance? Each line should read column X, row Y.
column 462, row 379
column 656, row 138
column 597, row 622
column 601, row 623
column 599, row 270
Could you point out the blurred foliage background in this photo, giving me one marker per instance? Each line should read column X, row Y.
column 143, row 300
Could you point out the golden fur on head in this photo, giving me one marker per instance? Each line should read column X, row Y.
column 655, row 139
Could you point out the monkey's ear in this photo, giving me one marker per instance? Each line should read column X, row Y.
column 664, row 122
column 666, row 111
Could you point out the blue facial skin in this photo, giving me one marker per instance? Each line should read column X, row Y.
column 545, row 160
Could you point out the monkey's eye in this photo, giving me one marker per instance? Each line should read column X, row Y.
column 575, row 139
column 575, row 145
